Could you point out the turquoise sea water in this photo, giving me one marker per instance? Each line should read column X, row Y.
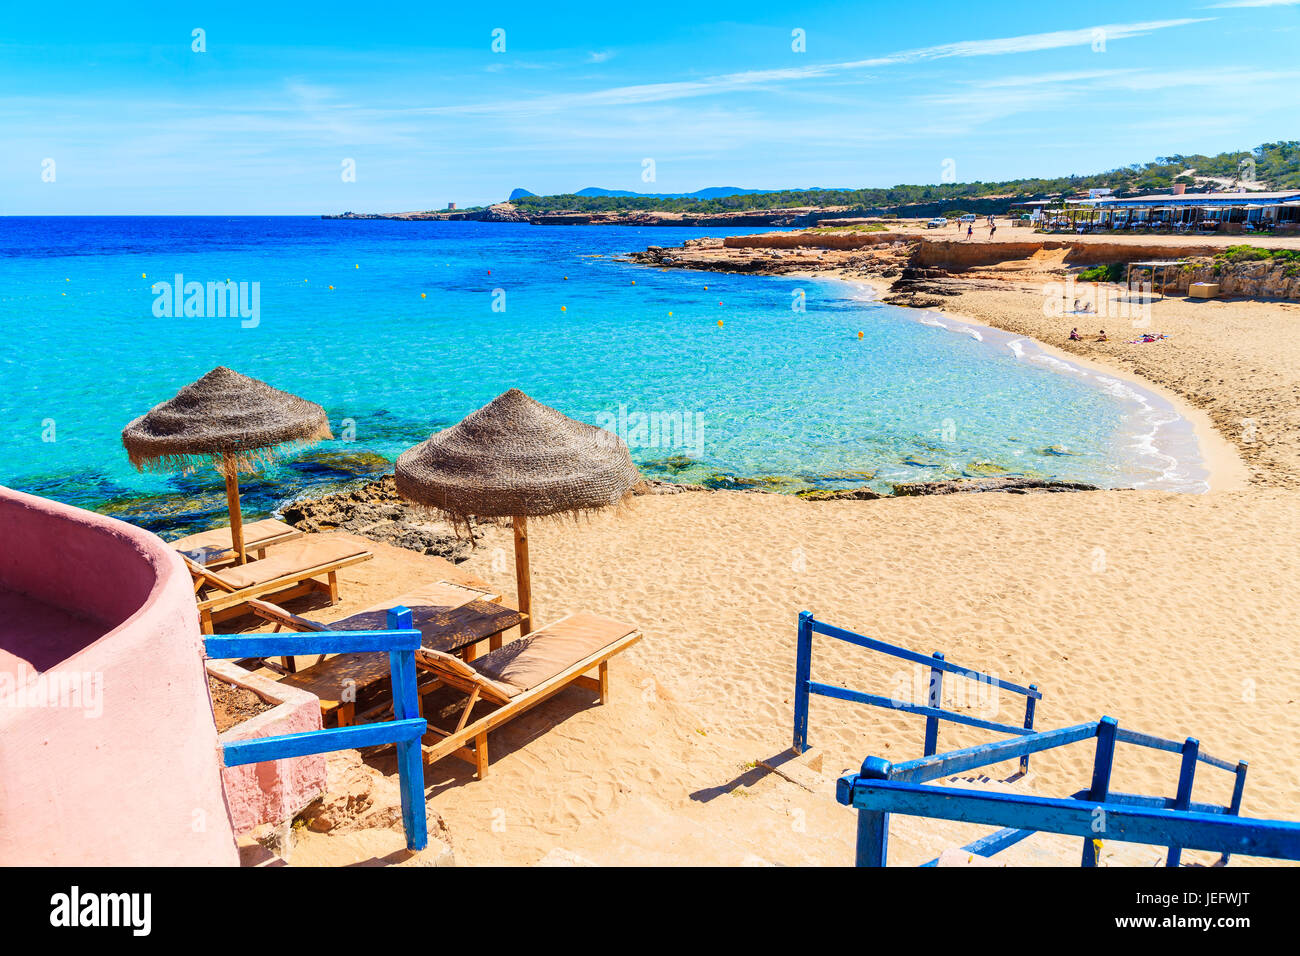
column 776, row 397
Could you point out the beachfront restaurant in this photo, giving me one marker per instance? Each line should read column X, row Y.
column 1238, row 212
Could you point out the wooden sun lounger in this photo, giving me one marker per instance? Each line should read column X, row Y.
column 449, row 616
column 215, row 547
column 521, row 675
column 290, row 571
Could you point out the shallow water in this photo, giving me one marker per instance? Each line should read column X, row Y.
column 775, row 397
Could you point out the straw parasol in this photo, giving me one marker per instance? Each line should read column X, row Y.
column 517, row 458
column 231, row 421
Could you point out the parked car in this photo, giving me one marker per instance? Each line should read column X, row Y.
column 937, row 223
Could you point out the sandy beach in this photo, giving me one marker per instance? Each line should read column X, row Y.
column 1168, row 612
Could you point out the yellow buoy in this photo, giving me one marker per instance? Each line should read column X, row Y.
column 331, row 287
column 67, row 280
column 706, row 288
column 143, row 276
column 357, row 266
column 670, row 315
column 566, row 278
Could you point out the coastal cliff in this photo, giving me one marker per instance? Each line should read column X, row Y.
column 920, row 263
column 508, row 212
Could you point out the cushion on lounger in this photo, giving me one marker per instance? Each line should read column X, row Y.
column 212, row 544
column 291, row 557
column 454, row 665
column 532, row 660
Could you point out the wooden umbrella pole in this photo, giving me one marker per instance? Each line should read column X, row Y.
column 232, row 501
column 523, row 581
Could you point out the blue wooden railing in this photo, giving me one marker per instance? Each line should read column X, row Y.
column 882, row 788
column 805, row 686
column 405, row 730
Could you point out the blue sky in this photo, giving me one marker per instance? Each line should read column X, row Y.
column 263, row 121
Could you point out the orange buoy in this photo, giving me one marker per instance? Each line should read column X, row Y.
column 422, row 295
column 719, row 323
column 859, row 335
column 564, row 308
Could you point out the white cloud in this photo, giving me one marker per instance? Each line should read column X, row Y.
column 1233, row 4
column 756, row 79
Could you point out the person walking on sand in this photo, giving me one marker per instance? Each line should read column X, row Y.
column 993, row 227
column 970, row 230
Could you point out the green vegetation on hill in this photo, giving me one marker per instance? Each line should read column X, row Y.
column 1277, row 164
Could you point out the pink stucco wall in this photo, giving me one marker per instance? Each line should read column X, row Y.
column 126, row 769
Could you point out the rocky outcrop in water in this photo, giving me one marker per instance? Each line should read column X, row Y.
column 1015, row 486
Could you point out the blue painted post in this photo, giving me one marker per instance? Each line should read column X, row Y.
column 410, row 759
column 1101, row 767
column 1238, row 788
column 802, row 675
column 1183, row 798
column 1029, row 725
column 873, row 825
column 933, row 697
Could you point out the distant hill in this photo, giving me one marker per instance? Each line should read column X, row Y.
column 520, row 194
column 1274, row 164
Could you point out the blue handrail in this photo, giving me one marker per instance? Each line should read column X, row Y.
column 405, row 730
column 882, row 788
column 805, row 687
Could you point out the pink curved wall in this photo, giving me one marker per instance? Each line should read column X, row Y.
column 123, row 768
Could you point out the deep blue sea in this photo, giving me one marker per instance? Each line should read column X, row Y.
column 401, row 328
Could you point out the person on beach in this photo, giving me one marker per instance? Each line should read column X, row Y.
column 970, row 230
column 1075, row 336
column 993, row 227
column 1102, row 336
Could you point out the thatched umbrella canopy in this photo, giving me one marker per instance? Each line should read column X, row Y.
column 516, row 457
column 231, row 421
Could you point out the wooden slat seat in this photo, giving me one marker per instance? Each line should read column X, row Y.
column 215, row 545
column 291, row 570
column 449, row 616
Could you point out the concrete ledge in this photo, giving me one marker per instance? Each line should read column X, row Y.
column 274, row 791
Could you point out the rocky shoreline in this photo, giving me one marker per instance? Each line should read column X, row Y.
column 373, row 509
column 924, row 269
